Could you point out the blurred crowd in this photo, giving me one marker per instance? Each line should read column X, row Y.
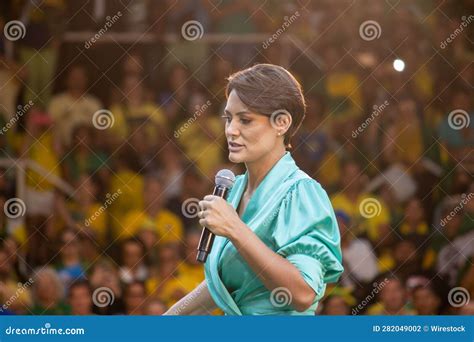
column 120, row 141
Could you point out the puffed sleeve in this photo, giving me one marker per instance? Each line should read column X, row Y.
column 307, row 235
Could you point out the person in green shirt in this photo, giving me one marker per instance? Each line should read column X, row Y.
column 277, row 241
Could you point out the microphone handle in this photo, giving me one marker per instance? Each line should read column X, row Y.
column 207, row 237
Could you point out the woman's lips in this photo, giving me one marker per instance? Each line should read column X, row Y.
column 233, row 147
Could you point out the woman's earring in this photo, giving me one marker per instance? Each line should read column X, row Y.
column 279, row 133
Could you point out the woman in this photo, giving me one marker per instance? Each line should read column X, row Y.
column 277, row 241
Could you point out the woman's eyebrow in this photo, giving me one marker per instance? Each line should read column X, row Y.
column 238, row 113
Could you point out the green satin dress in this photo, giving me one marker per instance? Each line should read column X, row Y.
column 291, row 213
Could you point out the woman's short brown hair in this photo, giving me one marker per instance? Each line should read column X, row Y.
column 266, row 89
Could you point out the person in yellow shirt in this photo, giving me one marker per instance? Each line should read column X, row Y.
column 201, row 136
column 135, row 111
column 367, row 211
column 404, row 139
column 342, row 87
column 337, row 301
column 131, row 184
column 175, row 277
column 414, row 225
column 74, row 107
column 41, row 146
column 14, row 295
column 165, row 283
column 148, row 235
column 168, row 226
column 85, row 212
column 45, row 22
column 392, row 298
column 191, row 272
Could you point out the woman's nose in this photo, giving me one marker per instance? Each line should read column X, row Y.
column 231, row 128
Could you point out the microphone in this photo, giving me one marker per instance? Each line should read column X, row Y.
column 224, row 181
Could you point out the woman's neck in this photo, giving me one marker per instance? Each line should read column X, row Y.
column 257, row 170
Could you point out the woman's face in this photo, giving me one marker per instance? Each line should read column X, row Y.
column 250, row 136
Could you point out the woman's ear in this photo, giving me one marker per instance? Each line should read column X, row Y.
column 281, row 120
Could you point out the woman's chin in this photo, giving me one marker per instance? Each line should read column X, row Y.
column 236, row 157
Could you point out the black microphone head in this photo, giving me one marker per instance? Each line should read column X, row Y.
column 225, row 178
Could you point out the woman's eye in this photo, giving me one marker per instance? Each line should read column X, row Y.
column 226, row 118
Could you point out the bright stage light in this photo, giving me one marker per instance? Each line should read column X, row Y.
column 399, row 65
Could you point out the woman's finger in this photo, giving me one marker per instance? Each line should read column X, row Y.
column 202, row 214
column 210, row 198
column 203, row 204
